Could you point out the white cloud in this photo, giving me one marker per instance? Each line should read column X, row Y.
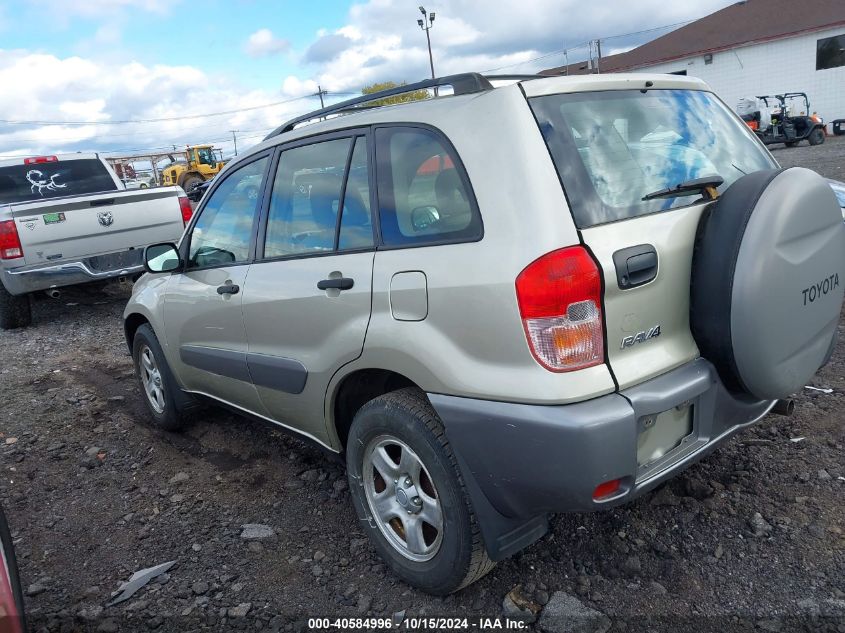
column 263, row 43
column 39, row 87
column 381, row 40
column 295, row 87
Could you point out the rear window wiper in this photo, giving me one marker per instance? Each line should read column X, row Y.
column 705, row 186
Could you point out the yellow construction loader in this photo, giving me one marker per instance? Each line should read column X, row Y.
column 196, row 164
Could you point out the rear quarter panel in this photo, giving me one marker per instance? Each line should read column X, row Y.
column 472, row 341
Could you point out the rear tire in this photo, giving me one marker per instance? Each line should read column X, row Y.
column 167, row 403
column 15, row 310
column 400, row 434
column 816, row 137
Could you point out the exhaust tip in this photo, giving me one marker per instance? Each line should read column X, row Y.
column 53, row 293
column 784, row 407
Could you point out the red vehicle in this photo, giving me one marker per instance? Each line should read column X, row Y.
column 11, row 598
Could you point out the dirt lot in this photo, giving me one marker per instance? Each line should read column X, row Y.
column 94, row 494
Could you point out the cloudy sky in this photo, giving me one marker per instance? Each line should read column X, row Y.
column 127, row 75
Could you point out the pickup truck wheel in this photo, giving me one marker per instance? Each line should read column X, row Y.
column 409, row 495
column 167, row 403
column 15, row 310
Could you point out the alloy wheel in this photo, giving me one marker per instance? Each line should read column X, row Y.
column 402, row 498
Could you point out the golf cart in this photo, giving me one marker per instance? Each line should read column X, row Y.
column 775, row 123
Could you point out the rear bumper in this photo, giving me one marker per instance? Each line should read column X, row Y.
column 31, row 278
column 529, row 460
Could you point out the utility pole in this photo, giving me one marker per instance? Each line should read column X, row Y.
column 320, row 93
column 235, row 140
column 598, row 57
column 425, row 24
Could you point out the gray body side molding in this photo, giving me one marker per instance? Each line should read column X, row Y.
column 281, row 374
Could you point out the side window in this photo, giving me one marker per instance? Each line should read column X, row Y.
column 423, row 193
column 223, row 231
column 306, row 212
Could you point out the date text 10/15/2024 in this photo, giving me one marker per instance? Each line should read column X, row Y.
column 415, row 624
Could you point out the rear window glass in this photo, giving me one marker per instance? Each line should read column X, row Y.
column 612, row 148
column 27, row 183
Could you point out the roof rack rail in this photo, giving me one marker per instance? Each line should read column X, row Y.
column 462, row 84
column 512, row 77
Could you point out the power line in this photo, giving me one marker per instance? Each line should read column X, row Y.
column 160, row 120
column 565, row 51
column 213, row 129
column 162, row 148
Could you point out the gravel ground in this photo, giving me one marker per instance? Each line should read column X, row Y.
column 751, row 538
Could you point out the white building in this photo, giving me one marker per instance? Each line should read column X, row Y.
column 751, row 48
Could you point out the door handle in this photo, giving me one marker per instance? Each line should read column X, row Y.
column 340, row 283
column 635, row 266
column 228, row 289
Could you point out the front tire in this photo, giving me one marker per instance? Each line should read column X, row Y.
column 167, row 403
column 409, row 494
column 816, row 137
column 190, row 183
column 15, row 310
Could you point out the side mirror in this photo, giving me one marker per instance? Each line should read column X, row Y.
column 423, row 218
column 161, row 258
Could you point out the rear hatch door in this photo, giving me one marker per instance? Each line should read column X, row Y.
column 614, row 147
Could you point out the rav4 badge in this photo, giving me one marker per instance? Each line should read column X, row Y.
column 640, row 337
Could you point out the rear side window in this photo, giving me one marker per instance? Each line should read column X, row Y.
column 613, row 148
column 424, row 194
column 318, row 204
column 27, row 183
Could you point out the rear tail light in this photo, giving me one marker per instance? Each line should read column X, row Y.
column 37, row 160
column 607, row 489
column 10, row 243
column 559, row 298
column 186, row 209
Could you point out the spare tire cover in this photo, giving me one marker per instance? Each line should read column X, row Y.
column 768, row 275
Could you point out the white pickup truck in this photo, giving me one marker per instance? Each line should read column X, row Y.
column 67, row 220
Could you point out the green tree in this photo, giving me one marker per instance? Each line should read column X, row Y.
column 416, row 95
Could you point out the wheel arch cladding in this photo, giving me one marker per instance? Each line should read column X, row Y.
column 356, row 390
column 130, row 325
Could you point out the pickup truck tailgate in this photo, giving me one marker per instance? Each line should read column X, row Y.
column 57, row 229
